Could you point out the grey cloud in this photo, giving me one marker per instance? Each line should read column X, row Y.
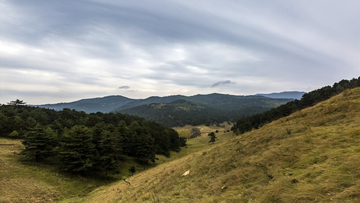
column 124, row 87
column 96, row 42
column 226, row 82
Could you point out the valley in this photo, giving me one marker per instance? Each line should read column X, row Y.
column 309, row 154
column 179, row 101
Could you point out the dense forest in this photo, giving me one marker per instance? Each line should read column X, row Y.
column 199, row 109
column 309, row 99
column 182, row 112
column 80, row 142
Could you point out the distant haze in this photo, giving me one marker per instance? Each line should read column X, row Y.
column 288, row 95
column 62, row 51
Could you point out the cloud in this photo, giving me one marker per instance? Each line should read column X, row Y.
column 174, row 47
column 226, row 82
column 124, row 87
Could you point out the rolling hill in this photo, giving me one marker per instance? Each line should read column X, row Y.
column 118, row 103
column 310, row 156
column 182, row 112
column 93, row 105
column 211, row 108
column 217, row 101
column 199, row 109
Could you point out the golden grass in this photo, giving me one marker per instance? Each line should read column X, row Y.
column 31, row 182
column 312, row 155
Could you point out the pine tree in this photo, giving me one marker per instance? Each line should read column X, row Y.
column 77, row 152
column 108, row 153
column 212, row 137
column 39, row 143
column 144, row 148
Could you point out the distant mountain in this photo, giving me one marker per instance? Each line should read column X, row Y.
column 199, row 109
column 149, row 100
column 177, row 110
column 284, row 95
column 93, row 105
column 217, row 101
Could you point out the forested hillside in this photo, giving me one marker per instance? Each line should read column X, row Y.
column 307, row 100
column 104, row 104
column 183, row 112
column 217, row 101
column 80, row 142
column 199, row 109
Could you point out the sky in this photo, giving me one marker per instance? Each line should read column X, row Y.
column 64, row 50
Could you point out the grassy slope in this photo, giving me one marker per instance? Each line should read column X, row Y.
column 312, row 155
column 29, row 182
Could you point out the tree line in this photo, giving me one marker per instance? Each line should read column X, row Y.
column 309, row 99
column 80, row 142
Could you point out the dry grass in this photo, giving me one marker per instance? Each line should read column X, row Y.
column 29, row 182
column 310, row 156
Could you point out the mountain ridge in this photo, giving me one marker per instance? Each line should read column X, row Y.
column 115, row 103
column 284, row 94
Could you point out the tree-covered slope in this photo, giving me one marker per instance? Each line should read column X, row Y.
column 182, row 112
column 150, row 100
column 79, row 143
column 217, row 101
column 199, row 109
column 309, row 99
column 232, row 102
column 309, row 156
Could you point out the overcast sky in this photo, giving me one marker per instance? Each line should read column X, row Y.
column 65, row 50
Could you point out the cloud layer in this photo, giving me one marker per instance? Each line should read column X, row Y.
column 57, row 51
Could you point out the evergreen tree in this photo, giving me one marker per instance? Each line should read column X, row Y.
column 108, row 153
column 182, row 141
column 77, row 152
column 132, row 170
column 124, row 138
column 17, row 102
column 39, row 143
column 144, row 148
column 14, row 134
column 212, row 137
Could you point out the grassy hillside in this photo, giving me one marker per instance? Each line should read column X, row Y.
column 22, row 181
column 312, row 155
column 29, row 182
